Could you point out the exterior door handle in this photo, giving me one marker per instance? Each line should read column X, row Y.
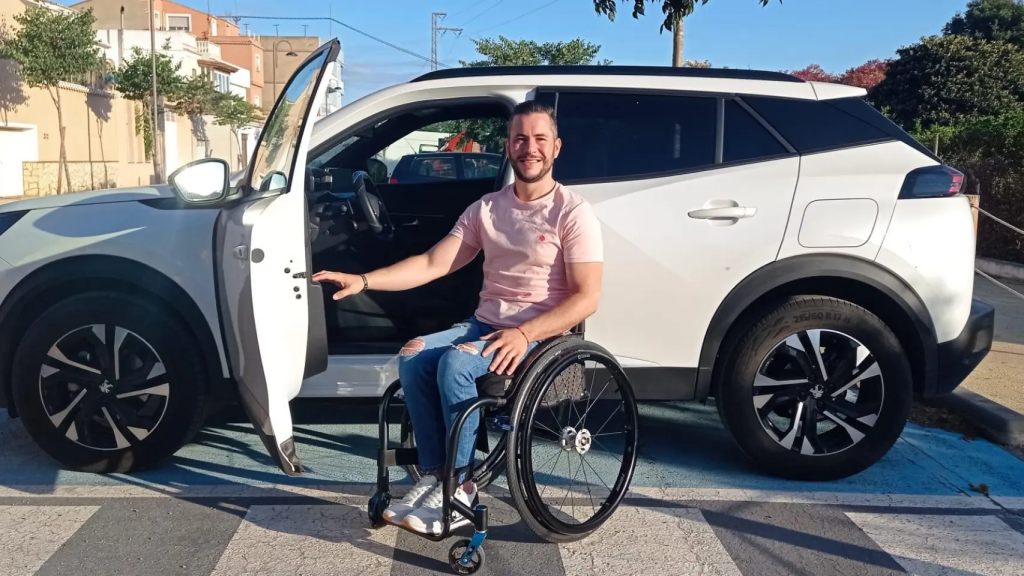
column 723, row 213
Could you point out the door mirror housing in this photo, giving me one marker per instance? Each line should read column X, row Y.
column 203, row 181
column 377, row 170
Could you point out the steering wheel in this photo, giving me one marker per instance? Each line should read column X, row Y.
column 370, row 202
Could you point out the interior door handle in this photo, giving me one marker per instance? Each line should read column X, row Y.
column 723, row 213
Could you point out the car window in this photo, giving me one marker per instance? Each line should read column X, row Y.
column 434, row 167
column 745, row 138
column 815, row 126
column 481, row 166
column 280, row 138
column 610, row 136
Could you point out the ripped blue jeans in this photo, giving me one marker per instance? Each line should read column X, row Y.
column 438, row 374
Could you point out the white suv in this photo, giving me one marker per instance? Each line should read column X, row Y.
column 773, row 243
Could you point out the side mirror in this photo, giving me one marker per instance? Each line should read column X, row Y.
column 203, row 181
column 377, row 170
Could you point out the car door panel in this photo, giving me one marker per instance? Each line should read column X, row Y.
column 272, row 313
column 665, row 272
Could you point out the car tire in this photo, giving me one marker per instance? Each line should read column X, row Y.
column 93, row 414
column 771, row 379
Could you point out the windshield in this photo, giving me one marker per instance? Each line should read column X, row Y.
column 280, row 138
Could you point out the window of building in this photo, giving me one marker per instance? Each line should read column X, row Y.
column 179, row 22
column 221, row 81
column 607, row 136
column 259, row 63
column 156, row 19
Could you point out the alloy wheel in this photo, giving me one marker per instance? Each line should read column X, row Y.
column 818, row 392
column 104, row 387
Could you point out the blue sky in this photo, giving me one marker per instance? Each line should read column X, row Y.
column 736, row 33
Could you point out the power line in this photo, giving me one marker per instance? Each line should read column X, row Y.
column 537, row 9
column 352, row 28
column 493, row 6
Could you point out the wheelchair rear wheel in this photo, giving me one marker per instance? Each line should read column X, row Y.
column 573, row 449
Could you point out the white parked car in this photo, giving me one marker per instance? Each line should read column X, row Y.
column 773, row 243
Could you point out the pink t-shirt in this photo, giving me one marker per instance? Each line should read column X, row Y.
column 526, row 246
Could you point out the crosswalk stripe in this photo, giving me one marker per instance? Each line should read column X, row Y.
column 31, row 534
column 308, row 539
column 946, row 545
column 671, row 540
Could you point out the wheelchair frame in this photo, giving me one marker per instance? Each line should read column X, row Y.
column 451, row 475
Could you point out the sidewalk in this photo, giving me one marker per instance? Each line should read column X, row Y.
column 1000, row 377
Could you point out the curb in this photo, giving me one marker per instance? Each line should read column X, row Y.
column 995, row 421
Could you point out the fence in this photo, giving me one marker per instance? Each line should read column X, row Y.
column 977, row 210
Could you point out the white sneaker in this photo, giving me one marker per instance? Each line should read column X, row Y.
column 427, row 518
column 397, row 511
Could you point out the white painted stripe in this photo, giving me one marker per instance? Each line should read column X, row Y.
column 308, row 540
column 142, row 489
column 927, row 545
column 31, row 534
column 674, row 541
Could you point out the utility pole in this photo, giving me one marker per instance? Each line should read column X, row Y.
column 677, row 42
column 158, row 148
column 435, row 30
column 304, row 27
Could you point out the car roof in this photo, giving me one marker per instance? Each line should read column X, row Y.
column 725, row 73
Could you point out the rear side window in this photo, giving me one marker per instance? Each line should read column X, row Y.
column 745, row 138
column 613, row 136
column 815, row 126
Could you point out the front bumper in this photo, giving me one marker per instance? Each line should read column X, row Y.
column 959, row 357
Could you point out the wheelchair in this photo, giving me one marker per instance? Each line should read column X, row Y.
column 569, row 397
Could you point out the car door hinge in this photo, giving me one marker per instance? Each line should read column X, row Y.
column 299, row 275
column 242, row 252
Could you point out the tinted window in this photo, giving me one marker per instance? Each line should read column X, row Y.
column 608, row 136
column 745, row 138
column 813, row 126
column 481, row 166
column 434, row 167
column 861, row 110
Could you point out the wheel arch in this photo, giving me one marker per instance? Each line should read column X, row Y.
column 850, row 278
column 79, row 274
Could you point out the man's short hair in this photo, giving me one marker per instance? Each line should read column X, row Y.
column 534, row 107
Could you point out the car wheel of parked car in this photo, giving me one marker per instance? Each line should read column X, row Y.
column 107, row 382
column 817, row 389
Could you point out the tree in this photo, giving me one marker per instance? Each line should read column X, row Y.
column 196, row 97
column 867, row 75
column 998, row 20
column 675, row 11
column 134, row 80
column 490, row 133
column 944, row 79
column 51, row 47
column 234, row 112
column 814, row 73
column 506, row 52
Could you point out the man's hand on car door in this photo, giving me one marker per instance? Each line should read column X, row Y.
column 349, row 283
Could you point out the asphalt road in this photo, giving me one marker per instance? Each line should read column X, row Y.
column 220, row 507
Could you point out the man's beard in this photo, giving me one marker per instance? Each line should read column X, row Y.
column 545, row 169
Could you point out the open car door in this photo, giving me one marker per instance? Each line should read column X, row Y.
column 272, row 312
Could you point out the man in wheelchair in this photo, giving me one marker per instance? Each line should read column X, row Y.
column 542, row 276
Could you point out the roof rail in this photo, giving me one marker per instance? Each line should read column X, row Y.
column 727, row 73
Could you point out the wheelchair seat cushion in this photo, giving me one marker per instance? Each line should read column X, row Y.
column 493, row 385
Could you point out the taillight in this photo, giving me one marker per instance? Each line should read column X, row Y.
column 932, row 182
column 392, row 180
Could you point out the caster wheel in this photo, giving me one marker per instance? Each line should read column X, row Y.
column 455, row 558
column 375, row 509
